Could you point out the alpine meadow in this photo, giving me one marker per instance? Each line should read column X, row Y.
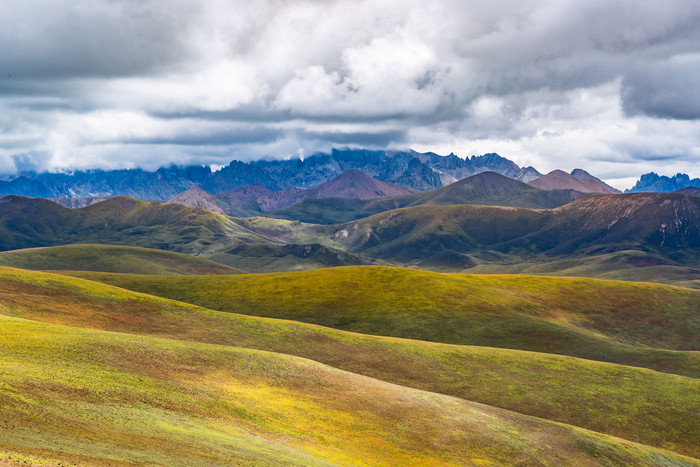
column 370, row 233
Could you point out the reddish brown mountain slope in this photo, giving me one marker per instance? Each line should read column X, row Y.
column 560, row 180
column 689, row 190
column 583, row 175
column 352, row 184
column 197, row 197
column 356, row 184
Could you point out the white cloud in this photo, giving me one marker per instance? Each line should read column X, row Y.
column 389, row 76
column 608, row 85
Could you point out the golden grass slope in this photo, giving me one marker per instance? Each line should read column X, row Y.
column 621, row 322
column 91, row 397
column 641, row 405
column 112, row 258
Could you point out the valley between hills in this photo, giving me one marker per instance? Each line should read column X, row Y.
column 489, row 321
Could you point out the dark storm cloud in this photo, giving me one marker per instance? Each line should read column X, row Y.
column 380, row 139
column 46, row 39
column 260, row 135
column 547, row 82
column 669, row 90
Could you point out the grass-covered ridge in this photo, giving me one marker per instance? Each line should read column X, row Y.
column 637, row 404
column 94, row 397
column 612, row 321
column 627, row 265
column 112, row 258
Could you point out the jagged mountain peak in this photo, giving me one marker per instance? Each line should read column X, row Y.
column 652, row 182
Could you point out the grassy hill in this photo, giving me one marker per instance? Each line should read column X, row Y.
column 111, row 258
column 666, row 223
column 208, row 388
column 92, row 397
column 631, row 324
column 29, row 223
column 627, row 265
column 664, row 226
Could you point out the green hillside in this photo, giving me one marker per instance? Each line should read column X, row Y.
column 92, row 397
column 627, row 265
column 636, row 404
column 665, row 223
column 250, row 244
column 621, row 322
column 663, row 226
column 111, row 258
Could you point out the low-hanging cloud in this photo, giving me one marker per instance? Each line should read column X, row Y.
column 610, row 85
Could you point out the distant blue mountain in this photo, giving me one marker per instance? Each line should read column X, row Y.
column 652, row 182
column 421, row 171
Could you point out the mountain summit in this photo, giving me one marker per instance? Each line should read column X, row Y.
column 197, row 197
column 560, row 180
column 356, row 184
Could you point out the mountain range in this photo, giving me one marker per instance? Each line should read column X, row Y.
column 420, row 171
column 353, row 195
column 213, row 329
column 653, row 182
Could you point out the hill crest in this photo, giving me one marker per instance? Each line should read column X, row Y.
column 196, row 197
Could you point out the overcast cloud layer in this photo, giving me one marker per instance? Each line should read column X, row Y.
column 610, row 86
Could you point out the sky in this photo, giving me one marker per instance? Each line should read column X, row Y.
column 610, row 86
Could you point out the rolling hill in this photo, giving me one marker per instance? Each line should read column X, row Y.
column 666, row 224
column 29, row 223
column 628, row 265
column 165, row 402
column 598, row 320
column 130, row 396
column 111, row 258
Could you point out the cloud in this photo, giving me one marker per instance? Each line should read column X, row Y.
column 609, row 85
column 668, row 91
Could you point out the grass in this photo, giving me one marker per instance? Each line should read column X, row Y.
column 93, row 397
column 631, row 265
column 626, row 323
column 637, row 404
column 443, row 238
column 111, row 258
